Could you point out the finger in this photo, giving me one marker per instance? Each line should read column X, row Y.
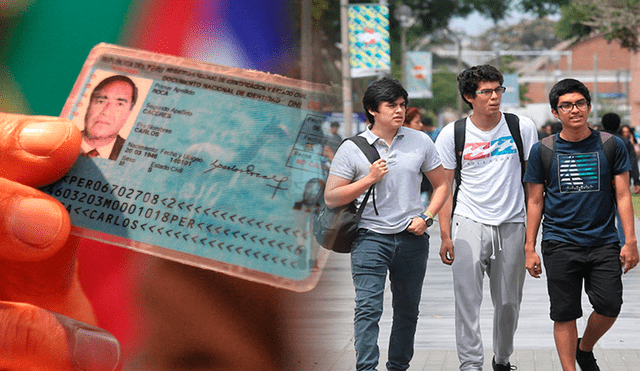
column 37, row 150
column 623, row 262
column 35, row 339
column 626, row 264
column 52, row 284
column 537, row 270
column 33, row 225
column 446, row 257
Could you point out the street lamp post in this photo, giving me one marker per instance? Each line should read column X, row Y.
column 404, row 15
column 347, row 107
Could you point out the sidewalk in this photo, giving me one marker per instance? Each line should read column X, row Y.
column 325, row 323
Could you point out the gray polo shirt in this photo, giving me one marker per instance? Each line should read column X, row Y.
column 398, row 193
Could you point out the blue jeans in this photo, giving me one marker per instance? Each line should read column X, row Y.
column 404, row 255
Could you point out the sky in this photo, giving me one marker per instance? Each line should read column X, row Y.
column 475, row 24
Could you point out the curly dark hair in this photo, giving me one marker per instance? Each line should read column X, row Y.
column 469, row 79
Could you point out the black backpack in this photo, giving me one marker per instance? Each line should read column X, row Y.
column 513, row 122
column 336, row 229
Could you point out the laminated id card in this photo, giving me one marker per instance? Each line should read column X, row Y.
column 211, row 166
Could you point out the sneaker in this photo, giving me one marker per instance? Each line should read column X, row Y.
column 586, row 360
column 499, row 367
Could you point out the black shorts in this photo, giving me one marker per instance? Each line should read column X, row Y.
column 568, row 266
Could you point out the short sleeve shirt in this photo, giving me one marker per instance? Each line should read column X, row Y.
column 397, row 195
column 579, row 206
column 491, row 191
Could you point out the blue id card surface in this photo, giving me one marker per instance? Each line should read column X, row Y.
column 211, row 166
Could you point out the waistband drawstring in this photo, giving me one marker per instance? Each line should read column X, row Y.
column 493, row 241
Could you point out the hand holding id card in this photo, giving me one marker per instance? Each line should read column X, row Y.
column 211, row 166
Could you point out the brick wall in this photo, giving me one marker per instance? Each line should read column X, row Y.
column 613, row 73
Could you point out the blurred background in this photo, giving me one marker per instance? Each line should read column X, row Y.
column 536, row 42
column 44, row 43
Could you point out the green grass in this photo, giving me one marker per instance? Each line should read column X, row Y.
column 635, row 199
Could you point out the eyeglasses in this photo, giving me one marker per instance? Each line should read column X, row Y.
column 489, row 92
column 568, row 107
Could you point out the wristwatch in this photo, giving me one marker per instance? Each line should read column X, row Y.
column 428, row 219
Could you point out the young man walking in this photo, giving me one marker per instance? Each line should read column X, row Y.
column 486, row 232
column 392, row 235
column 573, row 188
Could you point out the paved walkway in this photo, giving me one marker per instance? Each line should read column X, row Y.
column 326, row 332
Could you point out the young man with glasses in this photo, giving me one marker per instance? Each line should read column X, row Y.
column 486, row 232
column 579, row 239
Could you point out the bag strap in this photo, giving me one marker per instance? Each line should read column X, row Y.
column 513, row 122
column 372, row 155
column 608, row 144
column 458, row 138
column 369, row 150
column 548, row 149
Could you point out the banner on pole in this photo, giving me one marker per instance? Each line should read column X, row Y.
column 418, row 73
column 369, row 40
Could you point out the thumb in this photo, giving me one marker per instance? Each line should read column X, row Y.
column 623, row 263
column 37, row 150
column 35, row 339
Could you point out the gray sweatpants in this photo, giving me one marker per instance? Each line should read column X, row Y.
column 498, row 251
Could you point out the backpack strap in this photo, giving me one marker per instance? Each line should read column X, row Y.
column 608, row 143
column 547, row 151
column 459, row 128
column 372, row 155
column 513, row 122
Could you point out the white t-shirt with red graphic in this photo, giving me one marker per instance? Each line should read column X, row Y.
column 491, row 189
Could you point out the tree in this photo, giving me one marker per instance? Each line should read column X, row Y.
column 446, row 86
column 542, row 7
column 528, row 34
column 430, row 15
column 615, row 19
column 570, row 24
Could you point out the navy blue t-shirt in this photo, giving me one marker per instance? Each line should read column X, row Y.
column 579, row 205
